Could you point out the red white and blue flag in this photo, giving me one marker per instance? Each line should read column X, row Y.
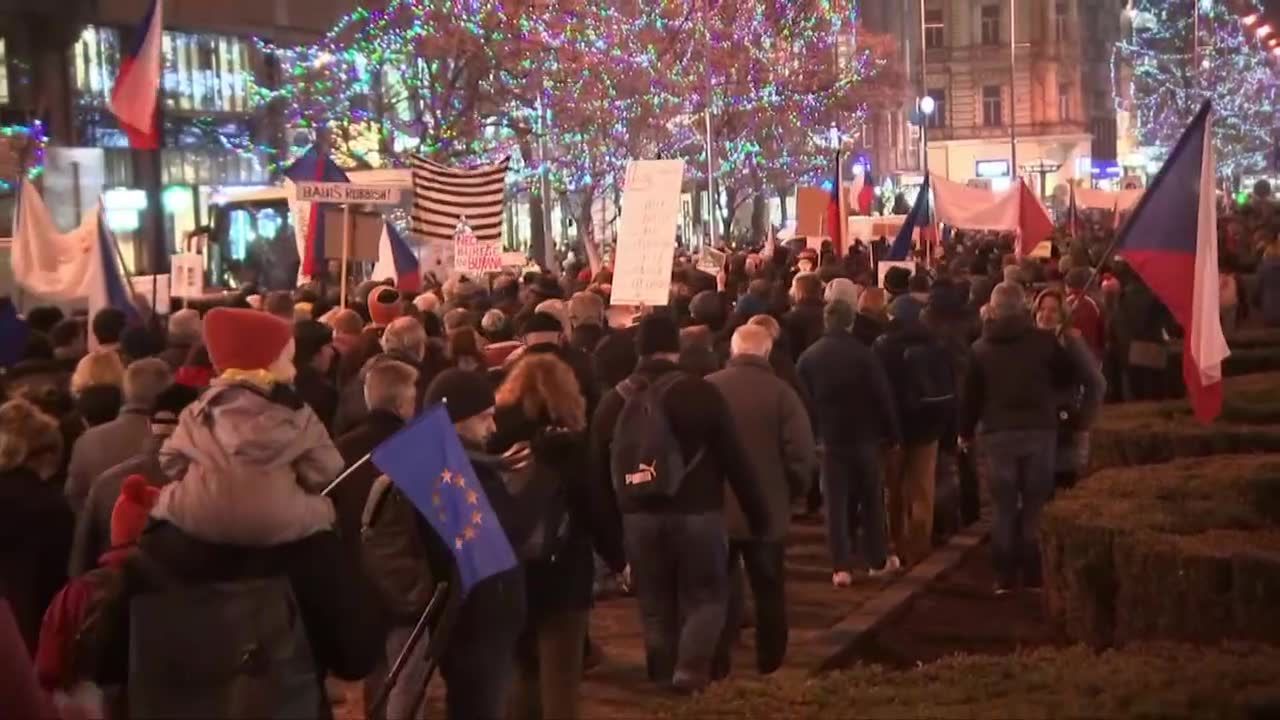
column 133, row 99
column 396, row 260
column 314, row 167
column 920, row 218
column 1171, row 241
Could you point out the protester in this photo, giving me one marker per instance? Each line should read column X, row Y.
column 185, row 331
column 779, row 356
column 104, row 446
column 872, row 316
column 773, row 424
column 35, row 523
column 20, row 692
column 675, row 541
column 1011, row 391
column 495, row 328
column 1086, row 316
column 315, row 363
column 922, row 377
column 464, row 350
column 93, row 522
column 1144, row 326
column 108, row 325
column 855, row 417
column 69, row 343
column 540, row 403
column 802, row 325
column 478, row 661
column 251, row 458
column 405, row 341
column 96, row 386
column 1077, row 403
column 586, row 317
column 542, row 336
column 1268, row 290
column 280, row 304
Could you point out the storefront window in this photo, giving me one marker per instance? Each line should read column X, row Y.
column 205, row 73
column 94, row 59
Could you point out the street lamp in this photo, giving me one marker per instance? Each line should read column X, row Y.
column 927, row 105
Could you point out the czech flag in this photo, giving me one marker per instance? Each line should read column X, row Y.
column 1171, row 242
column 109, row 286
column 919, row 218
column 837, row 220
column 133, row 99
column 313, row 167
column 396, row 260
column 1034, row 224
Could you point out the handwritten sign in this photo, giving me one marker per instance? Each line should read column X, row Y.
column 186, row 275
column 476, row 257
column 711, row 261
column 339, row 192
column 647, row 232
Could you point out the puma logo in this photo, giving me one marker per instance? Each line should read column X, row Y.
column 645, row 474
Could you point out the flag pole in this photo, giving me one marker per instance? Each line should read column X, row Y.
column 346, row 473
column 1013, row 81
column 713, row 209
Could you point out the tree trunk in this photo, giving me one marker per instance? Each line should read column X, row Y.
column 730, row 203
column 537, row 235
column 759, row 209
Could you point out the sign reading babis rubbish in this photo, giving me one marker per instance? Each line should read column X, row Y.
column 647, row 235
column 338, row 192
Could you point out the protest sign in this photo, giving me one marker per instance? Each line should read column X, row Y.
column 514, row 259
column 186, row 275
column 647, row 233
column 342, row 192
column 476, row 257
column 811, row 211
column 711, row 261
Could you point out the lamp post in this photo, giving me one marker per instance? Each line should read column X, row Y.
column 927, row 105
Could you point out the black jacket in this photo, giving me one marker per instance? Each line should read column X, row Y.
column 846, row 383
column 615, row 358
column 867, row 328
column 35, row 540
column 917, row 426
column 318, row 393
column 564, row 583
column 802, row 326
column 1013, row 377
column 700, row 418
column 350, row 495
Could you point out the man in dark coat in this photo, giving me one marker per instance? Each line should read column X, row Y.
column 676, row 545
column 803, row 324
column 855, row 417
column 774, row 426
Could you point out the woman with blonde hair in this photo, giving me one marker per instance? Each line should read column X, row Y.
column 35, row 522
column 540, row 403
column 97, row 385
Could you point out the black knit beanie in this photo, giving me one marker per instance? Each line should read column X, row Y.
column 465, row 394
column 657, row 333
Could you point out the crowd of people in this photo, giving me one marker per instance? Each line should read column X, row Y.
column 166, row 493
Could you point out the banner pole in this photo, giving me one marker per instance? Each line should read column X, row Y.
column 346, row 250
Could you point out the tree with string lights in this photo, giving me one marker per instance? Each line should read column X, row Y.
column 1169, row 85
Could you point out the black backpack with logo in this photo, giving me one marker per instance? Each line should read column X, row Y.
column 645, row 460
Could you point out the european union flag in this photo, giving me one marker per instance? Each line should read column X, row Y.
column 426, row 461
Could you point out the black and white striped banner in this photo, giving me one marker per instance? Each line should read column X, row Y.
column 442, row 195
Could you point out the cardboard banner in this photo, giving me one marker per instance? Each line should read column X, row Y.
column 647, row 233
column 186, row 275
column 711, row 261
column 476, row 257
column 811, row 211
column 144, row 285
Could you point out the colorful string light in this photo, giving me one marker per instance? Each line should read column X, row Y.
column 33, row 157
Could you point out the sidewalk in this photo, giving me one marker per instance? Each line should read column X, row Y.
column 619, row 689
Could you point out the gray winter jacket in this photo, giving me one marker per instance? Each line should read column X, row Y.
column 773, row 424
column 248, row 469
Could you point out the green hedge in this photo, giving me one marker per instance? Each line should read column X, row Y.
column 1146, row 433
column 1149, row 681
column 1188, row 550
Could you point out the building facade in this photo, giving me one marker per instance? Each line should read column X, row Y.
column 218, row 132
column 1050, row 95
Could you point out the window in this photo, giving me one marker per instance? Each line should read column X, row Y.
column 1060, row 12
column 992, row 107
column 206, row 73
column 94, row 58
column 939, row 117
column 4, row 73
column 990, row 24
column 935, row 31
column 1064, row 102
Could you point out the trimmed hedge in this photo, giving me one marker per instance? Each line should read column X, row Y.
column 1188, row 550
column 1146, row 433
column 1150, row 681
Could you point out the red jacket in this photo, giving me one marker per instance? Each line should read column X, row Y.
column 1086, row 317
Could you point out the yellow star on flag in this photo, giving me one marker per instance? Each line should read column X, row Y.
column 458, row 543
column 436, row 500
column 469, row 533
column 473, row 498
column 446, row 477
column 477, row 518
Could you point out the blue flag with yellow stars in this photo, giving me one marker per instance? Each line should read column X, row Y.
column 427, row 462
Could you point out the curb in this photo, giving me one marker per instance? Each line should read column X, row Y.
column 838, row 645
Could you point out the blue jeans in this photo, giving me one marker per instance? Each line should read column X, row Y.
column 1021, row 464
column 853, row 487
column 680, row 567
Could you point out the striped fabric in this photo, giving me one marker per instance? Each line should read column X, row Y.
column 442, row 195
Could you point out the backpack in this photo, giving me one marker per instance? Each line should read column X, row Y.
column 222, row 650
column 551, row 533
column 79, row 626
column 392, row 550
column 645, row 460
column 930, row 381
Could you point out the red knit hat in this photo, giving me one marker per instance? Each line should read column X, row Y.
column 129, row 516
column 384, row 305
column 240, row 339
